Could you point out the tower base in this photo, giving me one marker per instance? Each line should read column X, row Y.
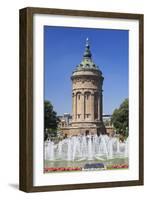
column 84, row 129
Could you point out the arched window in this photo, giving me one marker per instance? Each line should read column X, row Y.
column 78, row 105
column 87, row 105
column 78, row 96
column 87, row 95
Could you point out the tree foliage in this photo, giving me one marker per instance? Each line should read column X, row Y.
column 50, row 120
column 120, row 118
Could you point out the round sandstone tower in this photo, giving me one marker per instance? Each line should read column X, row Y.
column 87, row 97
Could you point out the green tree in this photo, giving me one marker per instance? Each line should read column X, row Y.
column 120, row 118
column 50, row 120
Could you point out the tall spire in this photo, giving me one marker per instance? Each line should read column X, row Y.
column 87, row 62
column 87, row 53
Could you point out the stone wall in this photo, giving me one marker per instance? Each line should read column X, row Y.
column 69, row 131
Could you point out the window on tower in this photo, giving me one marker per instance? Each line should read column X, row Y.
column 78, row 115
column 87, row 96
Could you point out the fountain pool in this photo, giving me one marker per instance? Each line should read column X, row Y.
column 80, row 150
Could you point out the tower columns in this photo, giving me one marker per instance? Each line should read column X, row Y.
column 92, row 106
column 100, row 110
column 98, row 107
column 74, row 107
column 82, row 106
column 101, row 106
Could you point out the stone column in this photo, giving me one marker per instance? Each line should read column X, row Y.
column 82, row 106
column 98, row 106
column 101, row 106
column 74, row 107
column 92, row 106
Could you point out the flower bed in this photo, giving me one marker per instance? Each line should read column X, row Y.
column 119, row 166
column 60, row 169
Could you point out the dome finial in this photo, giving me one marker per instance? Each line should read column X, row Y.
column 87, row 42
column 87, row 53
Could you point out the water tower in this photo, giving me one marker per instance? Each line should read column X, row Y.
column 87, row 97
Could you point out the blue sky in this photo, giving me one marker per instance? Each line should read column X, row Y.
column 63, row 50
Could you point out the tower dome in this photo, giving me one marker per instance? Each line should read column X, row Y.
column 87, row 62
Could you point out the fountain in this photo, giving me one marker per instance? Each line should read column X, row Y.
column 86, row 147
